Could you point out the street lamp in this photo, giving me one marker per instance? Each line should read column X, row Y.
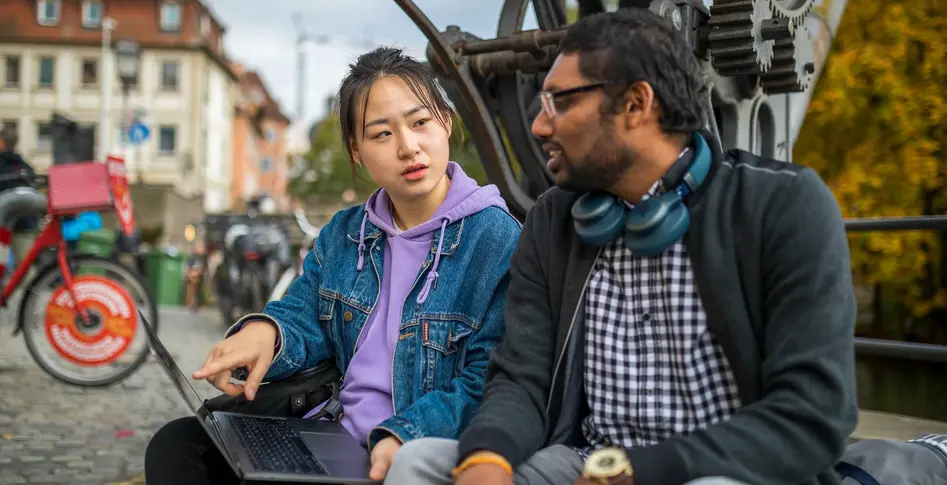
column 128, row 61
column 128, row 56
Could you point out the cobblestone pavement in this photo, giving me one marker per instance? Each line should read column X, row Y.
column 54, row 433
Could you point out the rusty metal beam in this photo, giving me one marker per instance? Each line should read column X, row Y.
column 509, row 62
column 503, row 63
column 525, row 41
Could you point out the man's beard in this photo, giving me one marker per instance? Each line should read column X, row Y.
column 601, row 168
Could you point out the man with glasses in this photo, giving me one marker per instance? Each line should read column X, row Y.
column 682, row 314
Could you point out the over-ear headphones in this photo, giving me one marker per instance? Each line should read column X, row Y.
column 654, row 224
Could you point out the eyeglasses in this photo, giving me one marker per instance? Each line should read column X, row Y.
column 547, row 99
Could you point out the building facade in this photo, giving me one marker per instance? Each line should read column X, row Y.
column 260, row 162
column 50, row 61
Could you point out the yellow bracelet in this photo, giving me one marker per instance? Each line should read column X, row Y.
column 483, row 458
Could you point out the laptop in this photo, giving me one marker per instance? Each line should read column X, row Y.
column 271, row 449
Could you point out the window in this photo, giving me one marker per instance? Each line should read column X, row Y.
column 167, row 140
column 169, row 76
column 205, row 25
column 206, row 86
column 44, row 137
column 47, row 71
column 170, row 16
column 92, row 13
column 266, row 165
column 11, row 71
column 11, row 124
column 90, row 72
column 47, row 12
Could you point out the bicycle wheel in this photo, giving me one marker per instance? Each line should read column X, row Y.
column 279, row 289
column 227, row 295
column 256, row 289
column 112, row 345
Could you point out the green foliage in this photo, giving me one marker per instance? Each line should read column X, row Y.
column 572, row 10
column 327, row 170
column 462, row 151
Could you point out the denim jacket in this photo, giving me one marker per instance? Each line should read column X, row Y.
column 440, row 359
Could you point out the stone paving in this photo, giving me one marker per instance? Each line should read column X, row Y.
column 54, row 433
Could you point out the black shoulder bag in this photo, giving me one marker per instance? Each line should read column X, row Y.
column 293, row 396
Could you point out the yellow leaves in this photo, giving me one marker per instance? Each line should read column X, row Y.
column 940, row 298
column 922, row 308
column 875, row 131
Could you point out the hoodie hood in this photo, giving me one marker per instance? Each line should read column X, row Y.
column 464, row 198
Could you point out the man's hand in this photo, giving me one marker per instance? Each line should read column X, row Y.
column 484, row 474
column 252, row 347
column 382, row 454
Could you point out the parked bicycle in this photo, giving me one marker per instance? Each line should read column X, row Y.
column 234, row 298
column 310, row 233
column 78, row 313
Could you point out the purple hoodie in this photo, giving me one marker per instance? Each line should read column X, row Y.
column 366, row 395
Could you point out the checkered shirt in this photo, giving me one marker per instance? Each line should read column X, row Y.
column 933, row 441
column 653, row 369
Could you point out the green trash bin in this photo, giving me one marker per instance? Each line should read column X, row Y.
column 165, row 276
column 98, row 242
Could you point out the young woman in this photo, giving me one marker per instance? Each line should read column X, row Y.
column 405, row 292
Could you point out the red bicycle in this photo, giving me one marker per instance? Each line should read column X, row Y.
column 78, row 312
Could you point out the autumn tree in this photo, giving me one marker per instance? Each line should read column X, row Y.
column 875, row 130
column 327, row 171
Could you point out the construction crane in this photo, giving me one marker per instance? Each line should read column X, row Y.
column 304, row 36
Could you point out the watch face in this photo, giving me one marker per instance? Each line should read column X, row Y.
column 607, row 463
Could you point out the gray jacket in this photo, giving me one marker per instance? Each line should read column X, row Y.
column 770, row 257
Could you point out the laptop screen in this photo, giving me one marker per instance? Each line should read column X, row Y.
column 180, row 381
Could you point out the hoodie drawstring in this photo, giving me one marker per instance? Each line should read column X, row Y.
column 432, row 276
column 361, row 244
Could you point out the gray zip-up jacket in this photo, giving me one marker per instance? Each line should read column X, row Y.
column 770, row 257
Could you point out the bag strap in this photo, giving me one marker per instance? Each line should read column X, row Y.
column 332, row 410
column 855, row 473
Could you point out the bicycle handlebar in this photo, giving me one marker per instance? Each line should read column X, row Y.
column 304, row 224
column 36, row 179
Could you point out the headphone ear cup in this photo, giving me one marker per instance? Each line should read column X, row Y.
column 598, row 218
column 648, row 214
column 657, row 237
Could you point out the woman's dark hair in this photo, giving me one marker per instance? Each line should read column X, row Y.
column 374, row 65
column 638, row 45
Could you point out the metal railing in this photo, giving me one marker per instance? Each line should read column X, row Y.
column 893, row 348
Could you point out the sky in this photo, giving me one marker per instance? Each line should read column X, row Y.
column 261, row 35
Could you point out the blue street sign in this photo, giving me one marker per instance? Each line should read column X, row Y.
column 137, row 132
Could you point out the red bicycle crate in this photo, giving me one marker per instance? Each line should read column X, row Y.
column 79, row 187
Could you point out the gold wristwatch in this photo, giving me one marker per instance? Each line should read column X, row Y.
column 608, row 466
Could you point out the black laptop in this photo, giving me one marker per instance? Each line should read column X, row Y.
column 270, row 449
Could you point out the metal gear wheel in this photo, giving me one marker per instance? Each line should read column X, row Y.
column 794, row 10
column 737, row 43
column 793, row 64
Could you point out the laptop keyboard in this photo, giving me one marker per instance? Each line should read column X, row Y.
column 273, row 446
